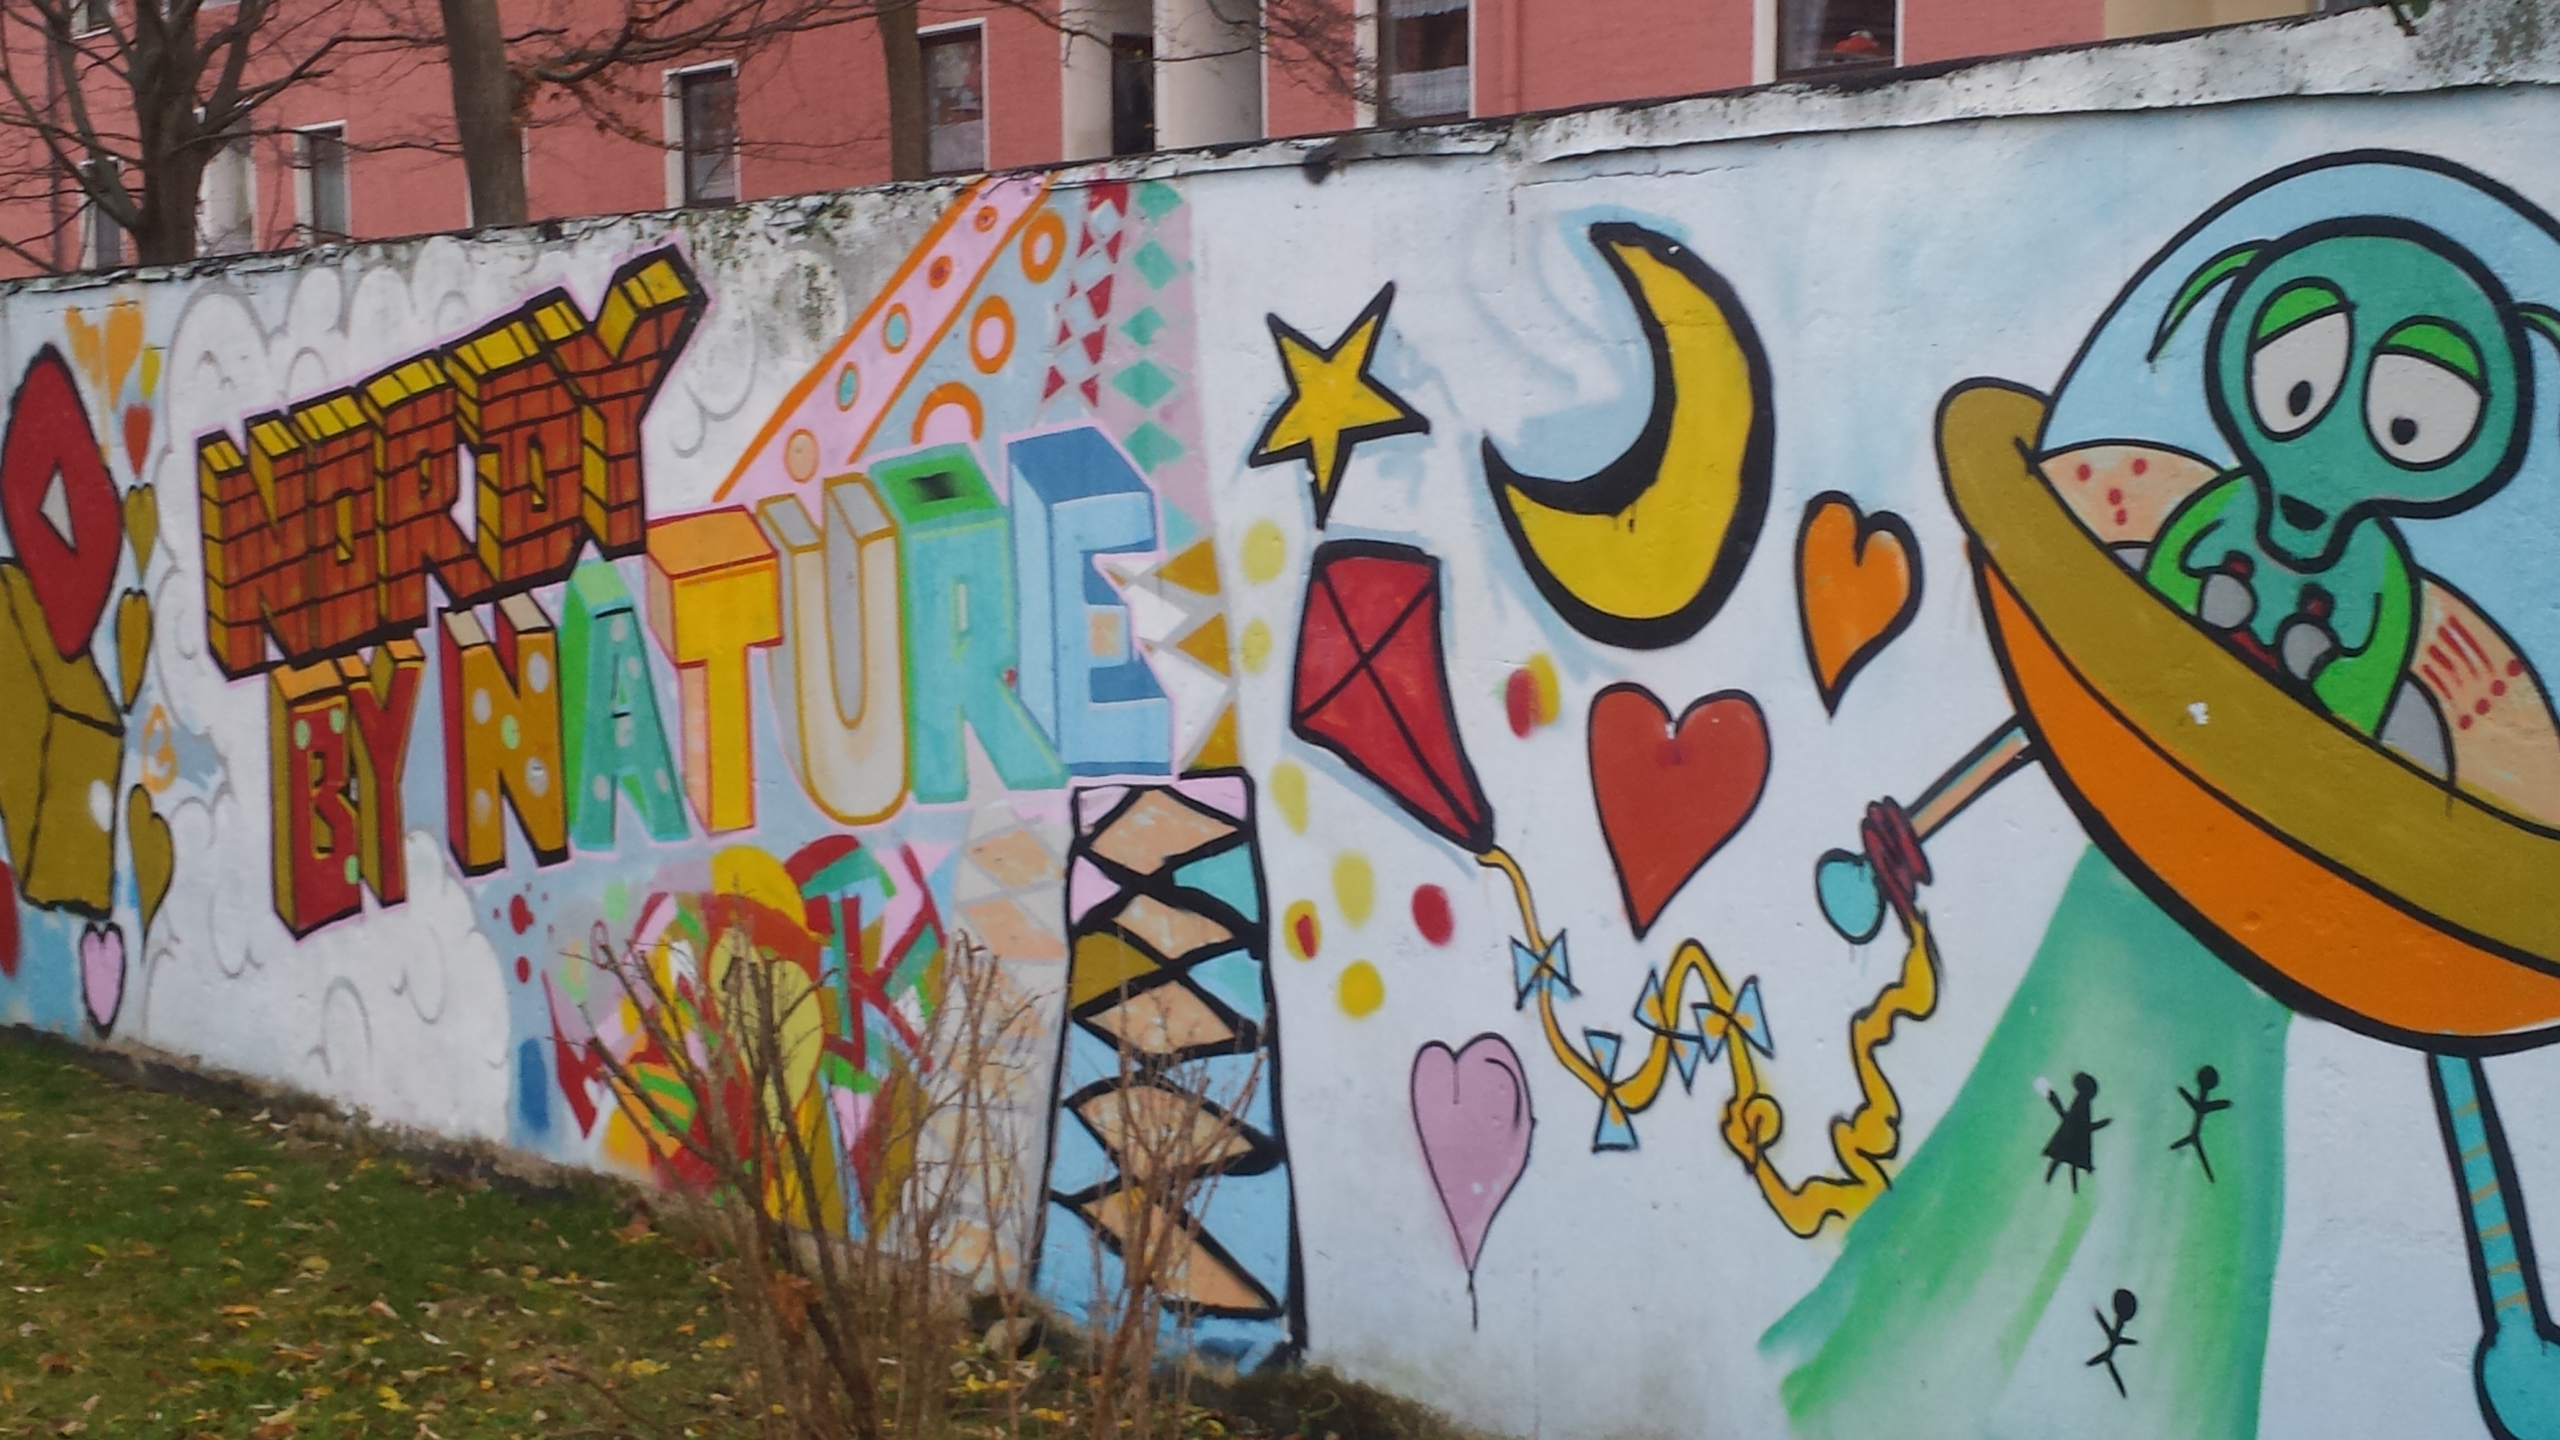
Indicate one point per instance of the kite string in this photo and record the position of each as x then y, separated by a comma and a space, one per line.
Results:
1861, 1141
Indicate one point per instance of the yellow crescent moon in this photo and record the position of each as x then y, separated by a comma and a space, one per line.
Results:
1642, 552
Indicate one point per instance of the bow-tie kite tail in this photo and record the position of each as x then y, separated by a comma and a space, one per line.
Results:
1730, 1021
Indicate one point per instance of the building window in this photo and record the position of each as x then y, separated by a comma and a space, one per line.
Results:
320, 182
101, 238
88, 17
1820, 37
955, 99
707, 134
1424, 55
1133, 94
227, 204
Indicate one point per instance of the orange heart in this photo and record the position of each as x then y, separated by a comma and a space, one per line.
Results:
1857, 586
88, 346
124, 343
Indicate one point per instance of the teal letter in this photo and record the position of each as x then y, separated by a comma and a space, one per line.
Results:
609, 715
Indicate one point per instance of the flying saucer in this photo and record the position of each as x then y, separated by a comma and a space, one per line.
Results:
2413, 906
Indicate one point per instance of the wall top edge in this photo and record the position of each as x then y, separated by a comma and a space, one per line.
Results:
2461, 44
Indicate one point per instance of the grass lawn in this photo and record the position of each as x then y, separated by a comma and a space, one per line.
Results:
170, 1267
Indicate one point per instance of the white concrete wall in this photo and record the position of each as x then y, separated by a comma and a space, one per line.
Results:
1243, 429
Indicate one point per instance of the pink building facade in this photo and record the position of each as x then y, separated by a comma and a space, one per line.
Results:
367, 153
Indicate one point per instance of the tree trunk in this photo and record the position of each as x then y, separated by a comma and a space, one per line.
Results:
170, 192
484, 111
902, 60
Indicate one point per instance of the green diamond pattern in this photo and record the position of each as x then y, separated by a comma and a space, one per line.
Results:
1144, 326
1151, 447
1144, 382
1156, 265
1158, 199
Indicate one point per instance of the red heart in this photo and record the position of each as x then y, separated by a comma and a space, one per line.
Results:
1671, 795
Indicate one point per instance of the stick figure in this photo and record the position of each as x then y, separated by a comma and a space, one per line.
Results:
2202, 1105
2072, 1142
2116, 1338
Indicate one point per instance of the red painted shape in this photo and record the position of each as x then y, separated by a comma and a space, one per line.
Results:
8, 922
520, 916
1671, 795
1520, 702
1431, 914
524, 967
137, 434
1307, 936
1372, 686
49, 435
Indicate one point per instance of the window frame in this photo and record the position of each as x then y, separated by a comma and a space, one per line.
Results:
679, 137
1778, 15
92, 17
927, 38
1385, 23
306, 189
94, 220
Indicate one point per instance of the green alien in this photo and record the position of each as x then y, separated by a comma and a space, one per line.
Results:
2363, 370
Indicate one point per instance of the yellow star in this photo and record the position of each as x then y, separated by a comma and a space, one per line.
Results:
1334, 402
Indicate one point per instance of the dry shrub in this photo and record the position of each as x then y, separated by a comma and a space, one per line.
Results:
847, 1274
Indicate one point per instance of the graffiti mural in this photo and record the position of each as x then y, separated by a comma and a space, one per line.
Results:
2059, 943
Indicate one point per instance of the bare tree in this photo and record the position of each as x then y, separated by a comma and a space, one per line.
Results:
607, 70
96, 96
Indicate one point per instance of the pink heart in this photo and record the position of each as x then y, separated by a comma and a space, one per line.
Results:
102, 974
1471, 1108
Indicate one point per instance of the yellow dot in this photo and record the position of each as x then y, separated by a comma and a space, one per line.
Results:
1289, 792
1361, 991
1355, 886
1256, 647
1301, 931
1265, 552
1542, 673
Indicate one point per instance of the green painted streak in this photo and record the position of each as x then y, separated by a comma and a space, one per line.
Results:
2295, 305
1961, 1304
2429, 340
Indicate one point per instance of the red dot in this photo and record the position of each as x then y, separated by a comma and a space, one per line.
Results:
2480, 708
2462, 722
2115, 497
2140, 465
1520, 702
2515, 667
2084, 472
2119, 517
2497, 687
519, 914
524, 970
1306, 935
1431, 914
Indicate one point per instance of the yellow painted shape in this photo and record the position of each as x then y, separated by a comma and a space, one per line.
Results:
1219, 750
1195, 569
1361, 991
1289, 793
1255, 648
1542, 674
1355, 887
715, 592
1208, 644
1103, 963
1653, 557
753, 874
1302, 930
1332, 400
124, 343
1266, 552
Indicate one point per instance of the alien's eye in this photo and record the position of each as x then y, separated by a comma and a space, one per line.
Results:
2298, 357
2423, 394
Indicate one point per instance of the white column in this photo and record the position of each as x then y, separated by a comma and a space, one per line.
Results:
1208, 72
